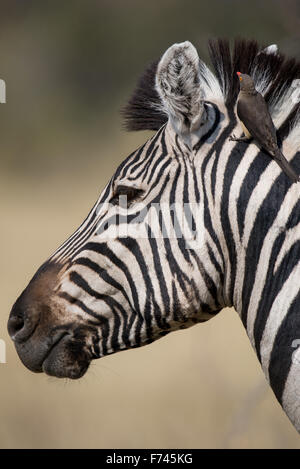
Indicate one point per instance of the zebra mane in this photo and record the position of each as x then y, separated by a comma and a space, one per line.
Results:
274, 75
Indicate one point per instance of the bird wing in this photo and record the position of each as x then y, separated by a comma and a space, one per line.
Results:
253, 111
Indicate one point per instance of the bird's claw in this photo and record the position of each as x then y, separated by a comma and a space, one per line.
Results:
232, 138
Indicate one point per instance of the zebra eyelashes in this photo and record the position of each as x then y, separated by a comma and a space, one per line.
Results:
124, 195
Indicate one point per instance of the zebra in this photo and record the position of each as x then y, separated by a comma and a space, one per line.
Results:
228, 234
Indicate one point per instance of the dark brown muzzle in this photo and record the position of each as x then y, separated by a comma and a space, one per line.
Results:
44, 339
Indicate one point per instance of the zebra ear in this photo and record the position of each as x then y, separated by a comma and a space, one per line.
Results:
178, 85
272, 49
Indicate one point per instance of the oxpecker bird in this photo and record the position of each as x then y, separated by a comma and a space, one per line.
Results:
256, 122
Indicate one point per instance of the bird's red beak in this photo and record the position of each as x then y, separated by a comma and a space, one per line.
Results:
239, 75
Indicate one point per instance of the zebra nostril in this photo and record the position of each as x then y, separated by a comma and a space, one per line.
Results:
15, 326
21, 326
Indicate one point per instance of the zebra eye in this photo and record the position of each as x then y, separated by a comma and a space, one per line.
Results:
125, 195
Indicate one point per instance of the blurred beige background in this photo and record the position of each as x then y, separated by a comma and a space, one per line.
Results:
69, 67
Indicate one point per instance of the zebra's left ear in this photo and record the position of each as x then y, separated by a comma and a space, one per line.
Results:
178, 85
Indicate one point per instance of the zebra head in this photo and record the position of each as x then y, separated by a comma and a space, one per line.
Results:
189, 223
